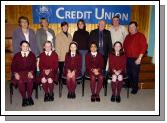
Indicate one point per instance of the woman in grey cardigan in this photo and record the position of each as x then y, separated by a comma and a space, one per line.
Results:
44, 34
23, 32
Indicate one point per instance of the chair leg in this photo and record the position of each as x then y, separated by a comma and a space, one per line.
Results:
127, 87
83, 85
127, 92
40, 87
105, 90
105, 87
36, 91
11, 92
59, 88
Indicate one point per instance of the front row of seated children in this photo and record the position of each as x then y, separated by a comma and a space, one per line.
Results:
24, 66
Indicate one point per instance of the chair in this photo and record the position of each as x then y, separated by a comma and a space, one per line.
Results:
88, 78
63, 78
126, 83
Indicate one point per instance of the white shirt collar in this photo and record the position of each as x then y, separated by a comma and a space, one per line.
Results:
50, 52
94, 53
26, 53
73, 54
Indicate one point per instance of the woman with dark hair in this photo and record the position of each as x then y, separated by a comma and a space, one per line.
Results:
94, 69
23, 32
63, 40
23, 67
81, 36
117, 65
72, 68
48, 65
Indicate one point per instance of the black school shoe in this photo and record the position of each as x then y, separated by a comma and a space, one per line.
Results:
73, 95
113, 98
97, 98
51, 96
24, 102
134, 91
118, 99
93, 98
69, 95
46, 97
30, 101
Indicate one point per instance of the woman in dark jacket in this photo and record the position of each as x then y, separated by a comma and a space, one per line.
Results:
81, 36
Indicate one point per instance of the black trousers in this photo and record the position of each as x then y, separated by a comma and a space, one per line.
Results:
133, 71
61, 66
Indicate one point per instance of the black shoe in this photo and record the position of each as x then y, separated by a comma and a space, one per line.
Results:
51, 97
24, 102
78, 82
73, 95
30, 101
93, 98
134, 91
97, 98
46, 98
118, 99
112, 98
69, 95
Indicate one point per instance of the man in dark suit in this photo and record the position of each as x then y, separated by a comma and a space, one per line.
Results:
102, 38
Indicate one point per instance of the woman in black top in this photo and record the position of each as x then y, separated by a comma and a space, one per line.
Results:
81, 36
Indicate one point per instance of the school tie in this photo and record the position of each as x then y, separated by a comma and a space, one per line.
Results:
24, 54
47, 54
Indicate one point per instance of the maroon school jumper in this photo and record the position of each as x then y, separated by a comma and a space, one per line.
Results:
23, 65
98, 63
48, 62
72, 63
117, 63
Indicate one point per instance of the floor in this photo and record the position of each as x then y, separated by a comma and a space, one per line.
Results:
144, 100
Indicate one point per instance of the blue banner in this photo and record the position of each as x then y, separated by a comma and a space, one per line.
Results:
90, 13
